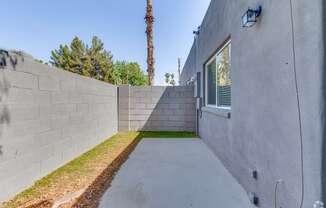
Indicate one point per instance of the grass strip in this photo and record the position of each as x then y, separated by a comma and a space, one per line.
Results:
94, 170
167, 134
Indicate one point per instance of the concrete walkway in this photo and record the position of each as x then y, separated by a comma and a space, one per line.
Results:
174, 173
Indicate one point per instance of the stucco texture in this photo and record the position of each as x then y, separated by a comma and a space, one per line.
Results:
277, 97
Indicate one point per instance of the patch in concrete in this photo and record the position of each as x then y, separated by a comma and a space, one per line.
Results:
68, 198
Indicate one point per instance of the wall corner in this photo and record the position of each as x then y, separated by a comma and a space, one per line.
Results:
123, 108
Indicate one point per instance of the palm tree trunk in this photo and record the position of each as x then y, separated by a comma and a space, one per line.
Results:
150, 46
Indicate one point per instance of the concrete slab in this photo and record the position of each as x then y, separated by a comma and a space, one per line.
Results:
174, 173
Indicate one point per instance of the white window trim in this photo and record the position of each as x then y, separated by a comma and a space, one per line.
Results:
206, 64
224, 107
206, 82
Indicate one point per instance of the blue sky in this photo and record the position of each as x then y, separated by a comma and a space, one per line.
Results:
39, 26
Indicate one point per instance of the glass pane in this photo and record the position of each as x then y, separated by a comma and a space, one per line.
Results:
224, 77
211, 83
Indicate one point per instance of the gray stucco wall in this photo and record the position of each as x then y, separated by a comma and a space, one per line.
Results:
263, 132
190, 64
158, 109
48, 117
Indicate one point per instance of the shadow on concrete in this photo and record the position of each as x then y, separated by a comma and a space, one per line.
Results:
171, 110
11, 57
6, 59
4, 113
4, 119
159, 115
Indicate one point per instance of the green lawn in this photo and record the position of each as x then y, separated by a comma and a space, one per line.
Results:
82, 171
152, 134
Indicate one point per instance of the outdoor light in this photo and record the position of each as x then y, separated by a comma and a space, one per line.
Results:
318, 204
196, 32
251, 16
254, 199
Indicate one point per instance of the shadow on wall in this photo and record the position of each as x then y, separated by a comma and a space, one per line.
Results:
323, 173
6, 57
162, 109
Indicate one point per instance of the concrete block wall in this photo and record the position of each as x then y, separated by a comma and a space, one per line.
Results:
158, 109
48, 117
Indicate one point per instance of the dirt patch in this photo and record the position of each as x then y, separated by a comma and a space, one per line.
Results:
93, 194
43, 204
92, 172
92, 169
68, 198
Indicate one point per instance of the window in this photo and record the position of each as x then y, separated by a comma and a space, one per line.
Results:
218, 79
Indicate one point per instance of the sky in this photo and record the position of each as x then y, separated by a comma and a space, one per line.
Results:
39, 26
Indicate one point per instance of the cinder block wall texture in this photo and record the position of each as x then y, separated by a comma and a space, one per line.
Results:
48, 117
157, 109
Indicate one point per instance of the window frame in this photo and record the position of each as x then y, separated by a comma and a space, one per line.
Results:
206, 83
210, 60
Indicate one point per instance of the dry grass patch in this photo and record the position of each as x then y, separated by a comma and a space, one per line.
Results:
93, 172
76, 175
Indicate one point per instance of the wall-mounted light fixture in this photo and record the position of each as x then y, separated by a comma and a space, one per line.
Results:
318, 204
254, 199
251, 16
196, 32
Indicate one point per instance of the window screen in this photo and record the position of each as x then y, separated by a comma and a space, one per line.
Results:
218, 79
211, 83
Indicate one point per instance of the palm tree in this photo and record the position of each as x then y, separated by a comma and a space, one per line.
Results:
150, 46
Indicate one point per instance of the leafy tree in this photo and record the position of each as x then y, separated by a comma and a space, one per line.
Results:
172, 82
224, 72
93, 61
169, 79
96, 62
129, 73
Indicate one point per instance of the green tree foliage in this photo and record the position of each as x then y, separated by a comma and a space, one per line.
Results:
93, 61
169, 79
129, 73
40, 61
224, 72
96, 62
